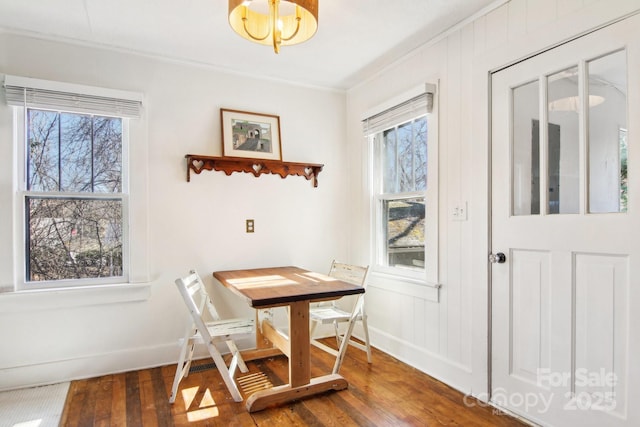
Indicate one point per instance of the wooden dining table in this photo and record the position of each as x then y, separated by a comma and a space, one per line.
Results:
295, 288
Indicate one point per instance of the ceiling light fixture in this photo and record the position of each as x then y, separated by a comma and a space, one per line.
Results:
274, 22
572, 103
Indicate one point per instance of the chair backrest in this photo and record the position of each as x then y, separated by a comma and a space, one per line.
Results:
349, 273
355, 274
198, 302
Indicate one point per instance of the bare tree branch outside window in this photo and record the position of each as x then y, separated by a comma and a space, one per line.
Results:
74, 202
404, 173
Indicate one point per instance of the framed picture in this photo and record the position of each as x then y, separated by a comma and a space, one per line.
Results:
251, 135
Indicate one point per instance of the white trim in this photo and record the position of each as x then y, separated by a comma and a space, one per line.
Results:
432, 196
406, 286
440, 367
429, 275
171, 60
20, 193
81, 296
92, 365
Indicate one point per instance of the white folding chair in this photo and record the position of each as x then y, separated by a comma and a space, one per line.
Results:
331, 313
206, 327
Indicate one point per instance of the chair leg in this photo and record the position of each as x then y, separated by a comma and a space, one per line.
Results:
366, 337
224, 372
182, 369
339, 338
312, 328
236, 358
344, 344
189, 358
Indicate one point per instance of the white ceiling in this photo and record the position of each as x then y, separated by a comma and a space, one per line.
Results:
354, 38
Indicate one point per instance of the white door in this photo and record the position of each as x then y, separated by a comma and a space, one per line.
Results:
565, 298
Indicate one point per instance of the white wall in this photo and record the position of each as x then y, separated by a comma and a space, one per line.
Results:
449, 338
51, 336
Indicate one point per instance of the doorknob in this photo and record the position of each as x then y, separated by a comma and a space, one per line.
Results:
498, 258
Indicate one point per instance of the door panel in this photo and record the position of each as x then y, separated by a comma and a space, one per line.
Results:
565, 211
601, 320
530, 290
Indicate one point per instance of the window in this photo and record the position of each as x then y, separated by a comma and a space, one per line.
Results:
73, 185
403, 172
403, 211
74, 198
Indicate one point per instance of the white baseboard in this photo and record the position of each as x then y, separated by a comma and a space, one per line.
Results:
95, 365
449, 372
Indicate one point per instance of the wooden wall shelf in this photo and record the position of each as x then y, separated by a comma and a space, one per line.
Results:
257, 167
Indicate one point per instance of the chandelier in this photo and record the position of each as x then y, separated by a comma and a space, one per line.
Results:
274, 22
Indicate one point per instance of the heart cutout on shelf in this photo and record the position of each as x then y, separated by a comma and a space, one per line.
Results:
257, 168
308, 171
197, 164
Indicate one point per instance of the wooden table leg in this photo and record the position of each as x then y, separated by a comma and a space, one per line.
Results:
286, 393
264, 347
300, 382
299, 344
261, 341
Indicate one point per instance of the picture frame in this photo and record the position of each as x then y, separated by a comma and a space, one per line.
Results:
250, 135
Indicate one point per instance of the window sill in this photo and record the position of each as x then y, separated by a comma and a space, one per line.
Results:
406, 286
55, 299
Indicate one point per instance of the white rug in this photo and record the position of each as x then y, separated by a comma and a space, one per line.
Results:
33, 407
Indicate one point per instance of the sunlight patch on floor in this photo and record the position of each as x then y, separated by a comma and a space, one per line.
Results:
206, 409
254, 382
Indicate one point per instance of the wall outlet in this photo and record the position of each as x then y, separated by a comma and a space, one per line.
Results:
249, 225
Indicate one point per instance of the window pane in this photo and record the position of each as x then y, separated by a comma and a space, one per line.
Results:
420, 152
402, 174
623, 170
405, 157
75, 153
404, 232
107, 152
563, 143
43, 130
526, 149
73, 238
389, 162
607, 115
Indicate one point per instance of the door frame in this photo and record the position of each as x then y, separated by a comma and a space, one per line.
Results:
586, 21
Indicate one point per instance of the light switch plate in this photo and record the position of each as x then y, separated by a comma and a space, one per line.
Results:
460, 212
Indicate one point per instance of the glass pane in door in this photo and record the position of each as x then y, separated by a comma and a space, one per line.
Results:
563, 160
607, 90
526, 149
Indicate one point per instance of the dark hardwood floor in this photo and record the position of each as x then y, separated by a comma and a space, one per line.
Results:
385, 393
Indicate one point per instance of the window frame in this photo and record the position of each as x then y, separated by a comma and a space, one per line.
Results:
429, 275
380, 199
21, 193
